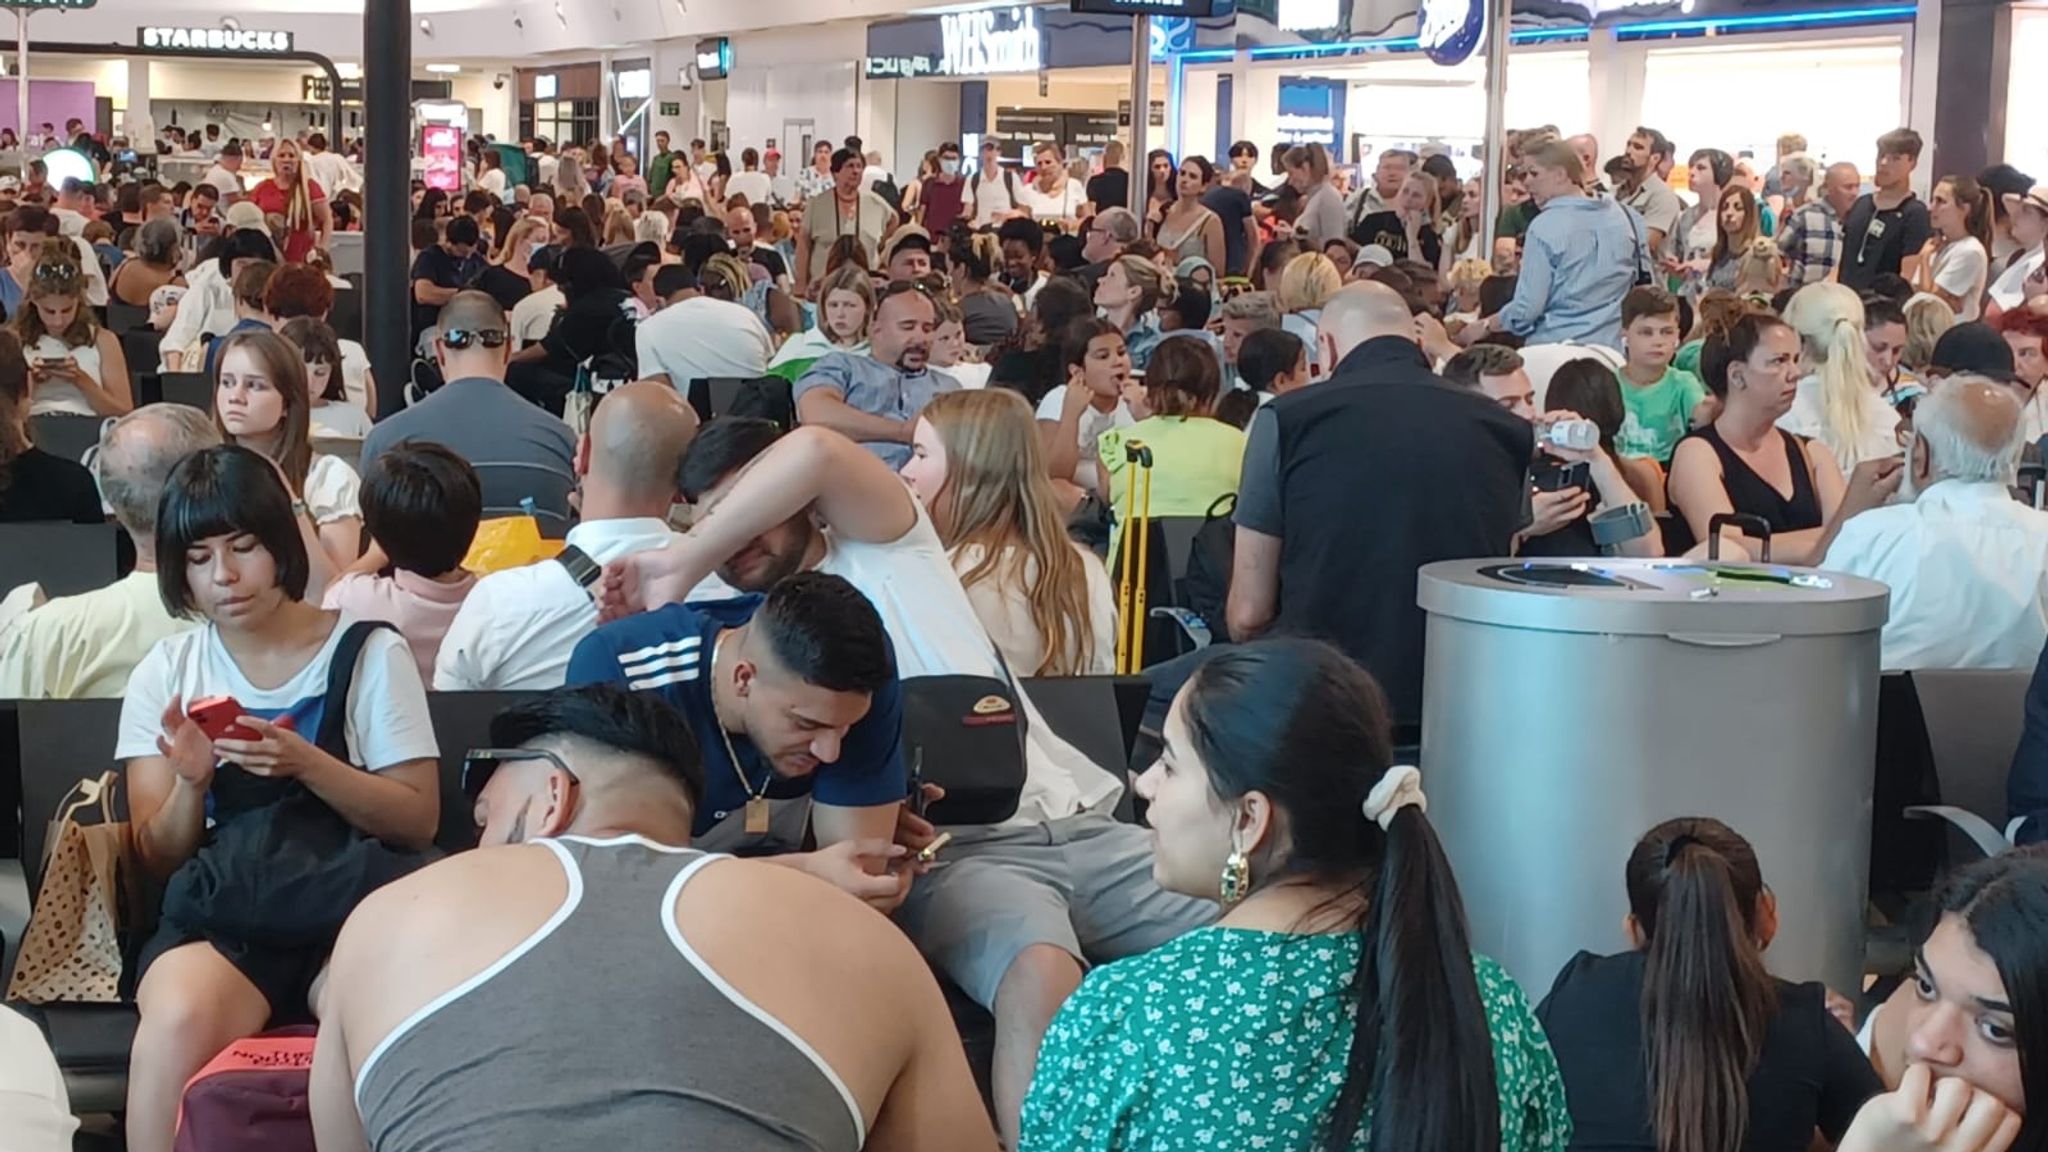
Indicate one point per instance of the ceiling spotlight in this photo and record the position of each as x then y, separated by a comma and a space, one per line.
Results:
231, 24
426, 26
519, 21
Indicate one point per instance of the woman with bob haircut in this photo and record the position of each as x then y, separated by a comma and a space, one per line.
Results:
299, 782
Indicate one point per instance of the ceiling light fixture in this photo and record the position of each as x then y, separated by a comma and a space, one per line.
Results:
427, 26
231, 24
444, 69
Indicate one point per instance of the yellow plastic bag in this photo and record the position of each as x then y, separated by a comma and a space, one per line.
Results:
508, 542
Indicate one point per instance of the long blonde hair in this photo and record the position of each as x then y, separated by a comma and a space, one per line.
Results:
998, 497
298, 204
1829, 320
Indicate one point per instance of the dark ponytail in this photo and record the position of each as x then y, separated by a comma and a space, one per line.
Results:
1298, 721
1976, 202
1693, 887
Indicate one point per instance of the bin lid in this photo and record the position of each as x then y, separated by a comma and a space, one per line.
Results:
1653, 597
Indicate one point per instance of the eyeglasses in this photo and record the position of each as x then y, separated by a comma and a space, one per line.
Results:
459, 339
479, 764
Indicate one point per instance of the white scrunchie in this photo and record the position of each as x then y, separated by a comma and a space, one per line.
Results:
1400, 787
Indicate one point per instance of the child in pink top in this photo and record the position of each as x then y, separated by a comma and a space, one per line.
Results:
421, 503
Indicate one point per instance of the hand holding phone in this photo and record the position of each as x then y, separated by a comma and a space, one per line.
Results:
220, 718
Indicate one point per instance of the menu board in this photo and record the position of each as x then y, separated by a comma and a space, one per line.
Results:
441, 148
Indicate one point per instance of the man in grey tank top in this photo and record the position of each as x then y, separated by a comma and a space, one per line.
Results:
591, 982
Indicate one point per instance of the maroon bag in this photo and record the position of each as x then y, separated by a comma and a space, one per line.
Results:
251, 1097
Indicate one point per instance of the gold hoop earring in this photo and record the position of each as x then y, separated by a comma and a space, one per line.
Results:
1237, 878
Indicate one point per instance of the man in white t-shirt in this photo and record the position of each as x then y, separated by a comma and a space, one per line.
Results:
2029, 215
517, 628
1021, 906
225, 173
699, 338
750, 181
73, 197
330, 170
35, 1110
995, 189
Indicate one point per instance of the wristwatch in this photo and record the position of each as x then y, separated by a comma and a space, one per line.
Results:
298, 508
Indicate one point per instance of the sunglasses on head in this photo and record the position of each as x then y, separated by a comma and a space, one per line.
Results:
460, 339
479, 764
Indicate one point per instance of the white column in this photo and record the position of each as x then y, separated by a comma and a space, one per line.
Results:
1614, 78
138, 112
1240, 92
1923, 68
607, 101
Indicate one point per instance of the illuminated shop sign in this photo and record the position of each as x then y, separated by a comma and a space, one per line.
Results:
250, 42
990, 41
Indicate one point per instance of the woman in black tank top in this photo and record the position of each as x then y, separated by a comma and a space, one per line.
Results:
1733, 464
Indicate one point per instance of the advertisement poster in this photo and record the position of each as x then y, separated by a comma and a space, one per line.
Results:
441, 148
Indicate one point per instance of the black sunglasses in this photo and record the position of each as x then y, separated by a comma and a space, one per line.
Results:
459, 339
480, 764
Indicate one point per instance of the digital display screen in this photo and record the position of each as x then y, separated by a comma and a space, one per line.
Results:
1189, 8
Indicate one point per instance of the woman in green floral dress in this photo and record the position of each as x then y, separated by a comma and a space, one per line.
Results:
1337, 1005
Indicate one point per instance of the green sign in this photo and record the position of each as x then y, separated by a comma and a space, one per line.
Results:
671, 108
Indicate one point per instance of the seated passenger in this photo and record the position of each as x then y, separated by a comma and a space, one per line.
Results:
1195, 457
517, 628
1338, 994
1743, 462
518, 450
260, 402
1963, 1044
35, 485
1966, 563
720, 989
797, 691
1687, 1043
74, 364
1073, 416
83, 646
206, 809
1018, 907
35, 1108
335, 414
977, 466
420, 503
874, 398
251, 315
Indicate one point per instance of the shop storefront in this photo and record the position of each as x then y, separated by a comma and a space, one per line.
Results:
1351, 74
1021, 76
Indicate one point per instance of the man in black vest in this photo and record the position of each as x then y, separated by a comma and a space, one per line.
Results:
1351, 485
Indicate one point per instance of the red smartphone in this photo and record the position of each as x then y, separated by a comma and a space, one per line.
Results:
217, 716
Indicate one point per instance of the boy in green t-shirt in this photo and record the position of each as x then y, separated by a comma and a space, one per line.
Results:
1660, 399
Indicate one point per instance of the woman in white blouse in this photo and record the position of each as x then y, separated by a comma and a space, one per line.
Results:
1956, 260
260, 402
1052, 195
977, 465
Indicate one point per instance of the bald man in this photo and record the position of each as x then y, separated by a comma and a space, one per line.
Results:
1967, 564
518, 628
1587, 148
1811, 237
1446, 473
519, 451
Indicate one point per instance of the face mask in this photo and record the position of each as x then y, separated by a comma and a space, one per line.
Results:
949, 167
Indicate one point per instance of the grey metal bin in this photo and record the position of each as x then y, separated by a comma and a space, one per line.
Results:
1569, 706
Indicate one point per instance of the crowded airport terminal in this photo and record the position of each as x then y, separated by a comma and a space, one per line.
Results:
1091, 576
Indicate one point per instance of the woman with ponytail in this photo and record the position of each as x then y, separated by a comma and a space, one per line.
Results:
1837, 403
1339, 983
1686, 1043
1956, 261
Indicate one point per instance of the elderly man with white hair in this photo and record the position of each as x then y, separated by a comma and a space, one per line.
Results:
1967, 564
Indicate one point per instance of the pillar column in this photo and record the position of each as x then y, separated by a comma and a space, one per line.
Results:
387, 199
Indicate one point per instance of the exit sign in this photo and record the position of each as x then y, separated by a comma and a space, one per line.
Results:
671, 108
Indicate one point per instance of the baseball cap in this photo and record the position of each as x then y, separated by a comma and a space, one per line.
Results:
1376, 254
9, 184
1975, 347
244, 214
910, 237
2035, 197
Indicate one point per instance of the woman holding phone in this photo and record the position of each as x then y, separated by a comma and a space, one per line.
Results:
74, 365
361, 767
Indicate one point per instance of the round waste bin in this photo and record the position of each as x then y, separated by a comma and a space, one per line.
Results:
1570, 706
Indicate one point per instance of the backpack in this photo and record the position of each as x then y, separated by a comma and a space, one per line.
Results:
252, 1097
1205, 590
